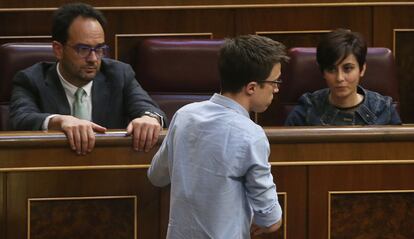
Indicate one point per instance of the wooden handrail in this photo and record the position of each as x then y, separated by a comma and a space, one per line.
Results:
275, 135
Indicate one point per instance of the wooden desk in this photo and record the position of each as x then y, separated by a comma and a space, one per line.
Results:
332, 183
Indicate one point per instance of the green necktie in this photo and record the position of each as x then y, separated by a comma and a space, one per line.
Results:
80, 110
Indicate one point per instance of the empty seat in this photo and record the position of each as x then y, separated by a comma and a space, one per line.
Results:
176, 72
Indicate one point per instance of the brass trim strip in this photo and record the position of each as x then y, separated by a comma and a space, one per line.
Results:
26, 37
81, 198
224, 6
285, 212
356, 192
356, 162
164, 34
84, 198
292, 32
156, 35
70, 168
394, 39
371, 191
146, 166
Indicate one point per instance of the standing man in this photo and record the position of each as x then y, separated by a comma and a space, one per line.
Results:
216, 157
83, 93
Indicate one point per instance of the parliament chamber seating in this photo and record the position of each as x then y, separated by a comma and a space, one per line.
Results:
327, 178
15, 57
176, 72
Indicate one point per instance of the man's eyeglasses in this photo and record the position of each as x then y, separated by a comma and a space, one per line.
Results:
273, 82
85, 51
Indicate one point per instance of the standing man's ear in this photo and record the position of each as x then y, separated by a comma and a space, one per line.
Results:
250, 88
57, 49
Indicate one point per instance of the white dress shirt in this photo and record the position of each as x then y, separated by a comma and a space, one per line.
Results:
70, 91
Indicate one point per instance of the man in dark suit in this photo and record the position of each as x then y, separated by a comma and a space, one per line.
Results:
82, 93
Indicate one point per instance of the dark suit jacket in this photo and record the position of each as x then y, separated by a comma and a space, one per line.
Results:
117, 98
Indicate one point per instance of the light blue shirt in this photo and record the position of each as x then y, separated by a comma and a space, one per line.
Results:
216, 159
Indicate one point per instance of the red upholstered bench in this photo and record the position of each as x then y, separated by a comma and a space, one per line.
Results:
15, 57
176, 72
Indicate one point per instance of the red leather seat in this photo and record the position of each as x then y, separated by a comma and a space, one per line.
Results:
15, 57
176, 72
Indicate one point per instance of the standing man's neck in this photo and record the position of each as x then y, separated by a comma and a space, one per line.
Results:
240, 98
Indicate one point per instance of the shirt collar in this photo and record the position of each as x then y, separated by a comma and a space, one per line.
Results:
229, 103
72, 88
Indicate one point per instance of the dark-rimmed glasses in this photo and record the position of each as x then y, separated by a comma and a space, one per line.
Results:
85, 51
273, 82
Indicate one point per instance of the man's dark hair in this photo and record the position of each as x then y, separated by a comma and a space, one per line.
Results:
335, 46
248, 58
64, 16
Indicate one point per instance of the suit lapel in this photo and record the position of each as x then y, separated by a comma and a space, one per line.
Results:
100, 99
57, 93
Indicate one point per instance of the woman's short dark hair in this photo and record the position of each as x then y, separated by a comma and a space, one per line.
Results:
335, 46
248, 58
64, 16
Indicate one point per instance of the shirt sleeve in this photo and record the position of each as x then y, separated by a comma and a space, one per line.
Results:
260, 188
45, 125
159, 171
